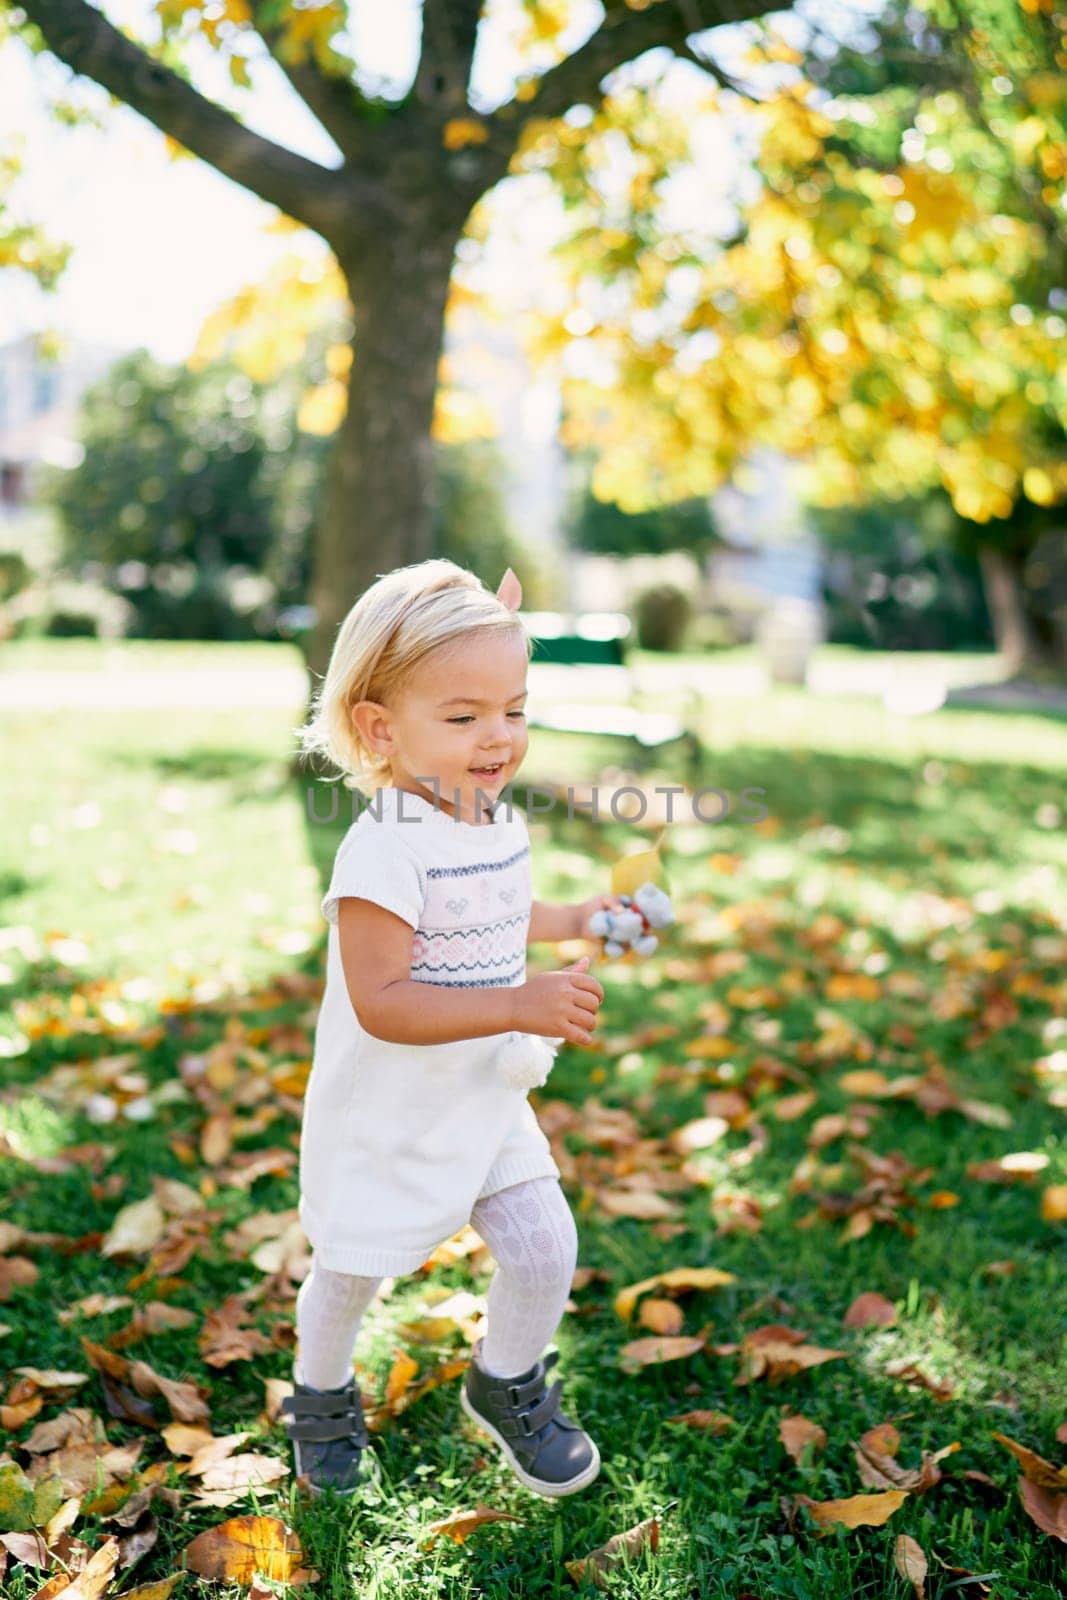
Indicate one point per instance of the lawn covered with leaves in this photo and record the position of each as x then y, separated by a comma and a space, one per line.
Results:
816, 1156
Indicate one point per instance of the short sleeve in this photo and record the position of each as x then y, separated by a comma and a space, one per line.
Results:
377, 866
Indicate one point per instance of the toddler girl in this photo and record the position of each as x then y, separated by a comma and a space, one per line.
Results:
429, 1035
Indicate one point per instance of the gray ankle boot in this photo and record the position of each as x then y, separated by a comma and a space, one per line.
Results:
331, 1445
548, 1453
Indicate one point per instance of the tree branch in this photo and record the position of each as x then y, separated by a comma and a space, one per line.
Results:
713, 69
449, 35
87, 42
624, 35
333, 101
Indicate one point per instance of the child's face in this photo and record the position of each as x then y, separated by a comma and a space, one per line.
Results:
462, 710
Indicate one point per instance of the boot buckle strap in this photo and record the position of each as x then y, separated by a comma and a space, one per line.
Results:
525, 1424
537, 1416
328, 1404
517, 1394
320, 1430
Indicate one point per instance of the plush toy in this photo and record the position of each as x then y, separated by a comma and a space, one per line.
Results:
525, 1059
647, 908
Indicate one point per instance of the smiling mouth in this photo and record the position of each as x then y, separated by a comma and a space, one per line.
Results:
489, 772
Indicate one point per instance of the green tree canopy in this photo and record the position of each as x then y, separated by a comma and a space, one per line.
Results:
891, 310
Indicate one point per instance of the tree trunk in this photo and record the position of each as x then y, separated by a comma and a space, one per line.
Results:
377, 501
1015, 637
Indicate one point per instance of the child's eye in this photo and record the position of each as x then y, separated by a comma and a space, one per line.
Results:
467, 718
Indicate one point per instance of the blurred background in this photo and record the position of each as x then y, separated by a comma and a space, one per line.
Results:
742, 344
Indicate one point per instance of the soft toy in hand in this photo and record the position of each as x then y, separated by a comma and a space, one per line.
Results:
647, 908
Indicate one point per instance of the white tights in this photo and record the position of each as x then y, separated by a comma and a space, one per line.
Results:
532, 1235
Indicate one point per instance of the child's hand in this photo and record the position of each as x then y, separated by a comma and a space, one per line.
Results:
599, 902
559, 1005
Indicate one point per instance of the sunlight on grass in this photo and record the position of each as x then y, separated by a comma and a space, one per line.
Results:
900, 913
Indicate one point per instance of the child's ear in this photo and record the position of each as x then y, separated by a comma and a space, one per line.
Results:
510, 591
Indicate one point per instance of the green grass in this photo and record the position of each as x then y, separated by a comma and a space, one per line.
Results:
937, 842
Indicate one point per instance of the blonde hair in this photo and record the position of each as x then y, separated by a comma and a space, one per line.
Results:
393, 625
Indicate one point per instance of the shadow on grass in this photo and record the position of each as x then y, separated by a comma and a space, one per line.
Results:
998, 1338
729, 1531
14, 884
207, 764
882, 816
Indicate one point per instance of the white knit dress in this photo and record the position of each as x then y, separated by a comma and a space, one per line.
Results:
398, 1141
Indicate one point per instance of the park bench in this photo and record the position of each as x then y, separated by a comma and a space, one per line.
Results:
598, 639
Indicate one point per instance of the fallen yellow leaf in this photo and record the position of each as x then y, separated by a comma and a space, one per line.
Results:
857, 1511
910, 1562
674, 1278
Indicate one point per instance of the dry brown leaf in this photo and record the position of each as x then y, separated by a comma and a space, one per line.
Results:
871, 1310
236, 1550
865, 1082
708, 1047
792, 1106
662, 1316
230, 1479
177, 1199
1035, 1467
401, 1373
16, 1272
95, 1577
645, 1205
775, 1352
1021, 1166
712, 1422
824, 1130
881, 1440
75, 1426
136, 1229
29, 1547
400, 1394
910, 1562
857, 1511
211, 1450
76, 1464
798, 1434
878, 1468
94, 1305
129, 1384
727, 1103
908, 1372
620, 1548
248, 1165
697, 1135
680, 1278
13, 1417
998, 1269
1048, 1510
973, 1580
659, 1348
49, 1381
155, 1317
459, 1524
224, 1340
183, 1440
